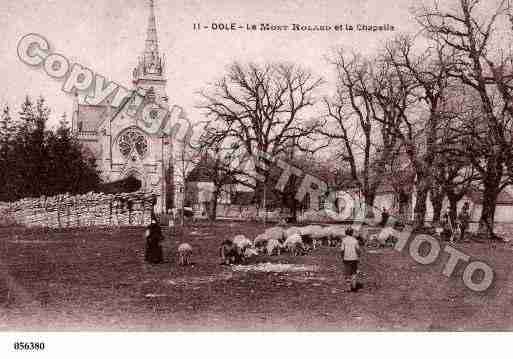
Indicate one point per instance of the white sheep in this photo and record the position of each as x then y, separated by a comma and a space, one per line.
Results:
275, 233
363, 234
311, 235
294, 244
338, 231
305, 231
385, 234
184, 254
325, 232
315, 231
291, 231
274, 246
337, 234
260, 242
242, 242
250, 252
325, 235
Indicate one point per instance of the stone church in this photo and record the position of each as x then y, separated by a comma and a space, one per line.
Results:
118, 142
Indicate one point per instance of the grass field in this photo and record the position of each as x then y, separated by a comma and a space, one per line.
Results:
97, 280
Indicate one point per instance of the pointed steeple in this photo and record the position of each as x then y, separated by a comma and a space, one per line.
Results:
150, 63
149, 72
151, 50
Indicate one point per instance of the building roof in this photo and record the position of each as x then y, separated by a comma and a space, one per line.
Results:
389, 183
203, 173
243, 198
90, 116
385, 187
200, 173
505, 198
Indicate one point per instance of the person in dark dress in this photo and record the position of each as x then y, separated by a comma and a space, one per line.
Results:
384, 217
153, 235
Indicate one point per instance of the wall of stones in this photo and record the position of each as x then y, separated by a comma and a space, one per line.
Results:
91, 209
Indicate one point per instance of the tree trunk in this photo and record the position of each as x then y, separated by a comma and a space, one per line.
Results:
293, 211
369, 205
491, 191
265, 202
437, 199
453, 208
370, 217
424, 170
420, 205
182, 220
259, 198
289, 194
486, 222
213, 214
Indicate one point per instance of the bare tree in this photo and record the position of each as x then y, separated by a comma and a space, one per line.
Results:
454, 174
262, 109
469, 30
186, 158
359, 122
219, 162
426, 73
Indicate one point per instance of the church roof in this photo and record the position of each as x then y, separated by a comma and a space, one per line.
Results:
90, 116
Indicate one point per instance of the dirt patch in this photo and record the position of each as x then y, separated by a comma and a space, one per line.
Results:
275, 267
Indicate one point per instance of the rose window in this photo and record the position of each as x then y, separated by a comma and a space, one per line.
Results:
154, 114
130, 140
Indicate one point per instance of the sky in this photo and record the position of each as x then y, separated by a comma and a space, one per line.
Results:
108, 36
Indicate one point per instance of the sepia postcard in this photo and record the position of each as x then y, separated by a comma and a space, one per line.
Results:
260, 167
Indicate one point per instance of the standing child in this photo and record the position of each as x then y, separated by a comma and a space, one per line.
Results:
350, 253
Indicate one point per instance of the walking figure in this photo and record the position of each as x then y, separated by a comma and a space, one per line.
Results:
153, 236
350, 253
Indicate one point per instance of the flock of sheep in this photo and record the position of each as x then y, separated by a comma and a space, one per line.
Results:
278, 240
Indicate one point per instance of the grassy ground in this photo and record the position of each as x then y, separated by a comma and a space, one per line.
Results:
97, 280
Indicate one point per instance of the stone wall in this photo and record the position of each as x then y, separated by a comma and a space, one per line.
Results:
91, 209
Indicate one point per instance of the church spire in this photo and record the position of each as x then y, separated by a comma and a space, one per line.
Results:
151, 50
151, 64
